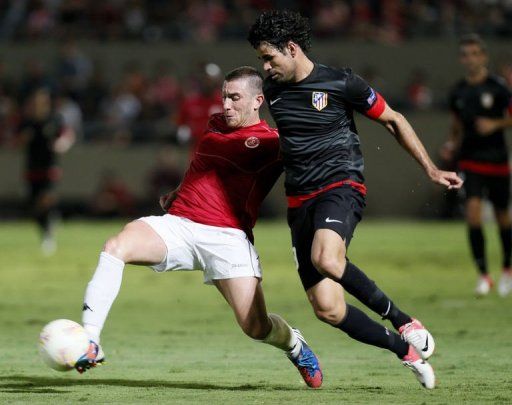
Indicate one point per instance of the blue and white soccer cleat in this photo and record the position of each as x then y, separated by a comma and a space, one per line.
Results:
306, 362
92, 358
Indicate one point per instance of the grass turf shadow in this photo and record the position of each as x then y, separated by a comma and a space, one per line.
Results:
45, 385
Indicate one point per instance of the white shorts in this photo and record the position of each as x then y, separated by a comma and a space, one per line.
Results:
221, 253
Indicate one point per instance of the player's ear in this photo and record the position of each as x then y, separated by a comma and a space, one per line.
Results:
258, 101
292, 48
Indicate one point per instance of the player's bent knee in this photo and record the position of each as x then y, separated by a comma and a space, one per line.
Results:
113, 246
331, 315
329, 266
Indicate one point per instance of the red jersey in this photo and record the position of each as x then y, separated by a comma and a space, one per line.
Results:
231, 172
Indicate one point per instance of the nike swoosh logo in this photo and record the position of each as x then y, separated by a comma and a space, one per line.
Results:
272, 102
426, 345
332, 220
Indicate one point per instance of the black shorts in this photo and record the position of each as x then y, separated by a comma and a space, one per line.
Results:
339, 209
38, 188
495, 188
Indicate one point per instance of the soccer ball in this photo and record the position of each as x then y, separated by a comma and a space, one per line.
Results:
62, 343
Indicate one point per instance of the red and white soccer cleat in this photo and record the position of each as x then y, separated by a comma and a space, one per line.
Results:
422, 370
505, 284
484, 285
418, 337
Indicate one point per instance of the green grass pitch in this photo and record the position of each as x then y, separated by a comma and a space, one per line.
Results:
171, 339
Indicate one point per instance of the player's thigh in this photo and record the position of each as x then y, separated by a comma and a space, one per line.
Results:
499, 195
245, 296
42, 194
328, 301
137, 243
339, 210
300, 221
225, 253
328, 253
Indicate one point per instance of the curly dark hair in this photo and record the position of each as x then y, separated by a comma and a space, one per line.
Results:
277, 27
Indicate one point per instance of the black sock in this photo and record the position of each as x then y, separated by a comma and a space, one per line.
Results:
360, 327
506, 244
476, 239
356, 283
43, 219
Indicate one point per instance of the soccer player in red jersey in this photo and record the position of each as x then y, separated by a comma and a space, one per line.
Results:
208, 226
313, 106
481, 106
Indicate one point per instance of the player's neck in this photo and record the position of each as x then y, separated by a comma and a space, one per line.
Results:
304, 68
478, 76
252, 121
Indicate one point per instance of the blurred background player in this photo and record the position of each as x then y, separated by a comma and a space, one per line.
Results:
44, 135
313, 107
209, 226
201, 100
481, 106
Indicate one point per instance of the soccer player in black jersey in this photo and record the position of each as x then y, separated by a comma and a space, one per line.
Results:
481, 106
313, 107
44, 135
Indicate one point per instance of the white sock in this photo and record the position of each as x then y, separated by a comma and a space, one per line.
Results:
281, 335
100, 294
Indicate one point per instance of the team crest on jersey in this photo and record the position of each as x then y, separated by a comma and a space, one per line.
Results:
319, 100
252, 142
487, 100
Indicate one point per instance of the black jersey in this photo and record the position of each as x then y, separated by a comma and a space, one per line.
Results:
490, 99
42, 135
318, 136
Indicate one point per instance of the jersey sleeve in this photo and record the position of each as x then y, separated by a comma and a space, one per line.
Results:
363, 98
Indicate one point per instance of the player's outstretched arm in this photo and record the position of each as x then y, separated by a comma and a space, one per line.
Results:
488, 126
400, 128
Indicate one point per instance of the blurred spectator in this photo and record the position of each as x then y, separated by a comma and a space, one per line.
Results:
94, 95
164, 92
9, 111
505, 71
203, 99
112, 198
121, 110
74, 69
35, 76
419, 94
70, 112
166, 175
387, 21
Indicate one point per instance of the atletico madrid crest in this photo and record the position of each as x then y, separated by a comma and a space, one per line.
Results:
319, 100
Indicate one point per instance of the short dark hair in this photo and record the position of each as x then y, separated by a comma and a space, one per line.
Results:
246, 72
277, 27
473, 39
